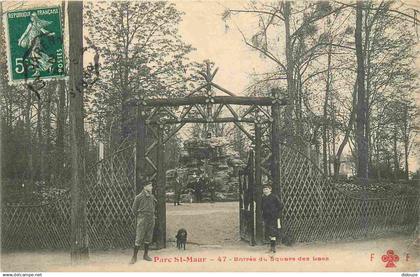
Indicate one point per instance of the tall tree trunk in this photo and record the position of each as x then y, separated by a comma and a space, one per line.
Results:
378, 161
40, 146
325, 115
125, 126
406, 160
330, 170
367, 56
79, 236
395, 153
47, 128
3, 67
28, 115
362, 155
61, 122
333, 143
298, 109
388, 165
406, 137
337, 160
290, 130
368, 141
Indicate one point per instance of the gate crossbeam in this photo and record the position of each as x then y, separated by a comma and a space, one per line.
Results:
233, 100
202, 120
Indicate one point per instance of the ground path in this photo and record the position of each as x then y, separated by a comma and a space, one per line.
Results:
213, 229
206, 223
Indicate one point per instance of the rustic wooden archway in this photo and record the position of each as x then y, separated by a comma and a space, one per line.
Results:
162, 118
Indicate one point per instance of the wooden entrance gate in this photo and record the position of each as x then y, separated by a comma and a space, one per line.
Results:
159, 119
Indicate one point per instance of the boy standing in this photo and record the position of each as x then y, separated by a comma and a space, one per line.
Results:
271, 209
144, 210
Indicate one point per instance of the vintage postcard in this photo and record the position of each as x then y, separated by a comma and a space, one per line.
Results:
202, 136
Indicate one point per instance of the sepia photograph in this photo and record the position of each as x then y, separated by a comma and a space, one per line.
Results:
210, 136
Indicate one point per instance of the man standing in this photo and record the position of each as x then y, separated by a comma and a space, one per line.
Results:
198, 189
271, 209
144, 210
212, 189
177, 190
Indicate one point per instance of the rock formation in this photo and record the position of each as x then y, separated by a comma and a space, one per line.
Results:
207, 171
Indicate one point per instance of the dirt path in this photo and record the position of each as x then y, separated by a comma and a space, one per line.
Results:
214, 230
206, 223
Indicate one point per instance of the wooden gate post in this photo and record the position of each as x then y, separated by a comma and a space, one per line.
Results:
275, 144
160, 191
251, 194
79, 224
241, 200
140, 150
275, 154
259, 232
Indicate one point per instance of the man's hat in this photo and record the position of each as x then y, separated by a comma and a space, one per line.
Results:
148, 183
268, 185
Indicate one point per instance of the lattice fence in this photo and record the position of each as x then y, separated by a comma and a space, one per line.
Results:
110, 222
36, 227
316, 210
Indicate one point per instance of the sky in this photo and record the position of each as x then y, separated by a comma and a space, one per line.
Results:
204, 29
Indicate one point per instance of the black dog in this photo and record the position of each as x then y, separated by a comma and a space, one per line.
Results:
181, 238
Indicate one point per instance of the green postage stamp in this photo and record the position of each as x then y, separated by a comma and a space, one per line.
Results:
35, 44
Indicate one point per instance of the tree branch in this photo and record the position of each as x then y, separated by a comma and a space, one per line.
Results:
391, 10
257, 11
265, 52
316, 18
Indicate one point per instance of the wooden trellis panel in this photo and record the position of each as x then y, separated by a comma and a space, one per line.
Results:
111, 193
110, 221
316, 210
36, 227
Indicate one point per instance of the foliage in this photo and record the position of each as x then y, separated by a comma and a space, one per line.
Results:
142, 55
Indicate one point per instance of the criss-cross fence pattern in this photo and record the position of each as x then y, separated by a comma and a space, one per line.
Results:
111, 193
314, 209
36, 226
110, 185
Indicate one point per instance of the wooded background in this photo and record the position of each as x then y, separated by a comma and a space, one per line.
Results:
347, 70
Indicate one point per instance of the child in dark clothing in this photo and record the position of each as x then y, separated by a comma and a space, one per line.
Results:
271, 209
